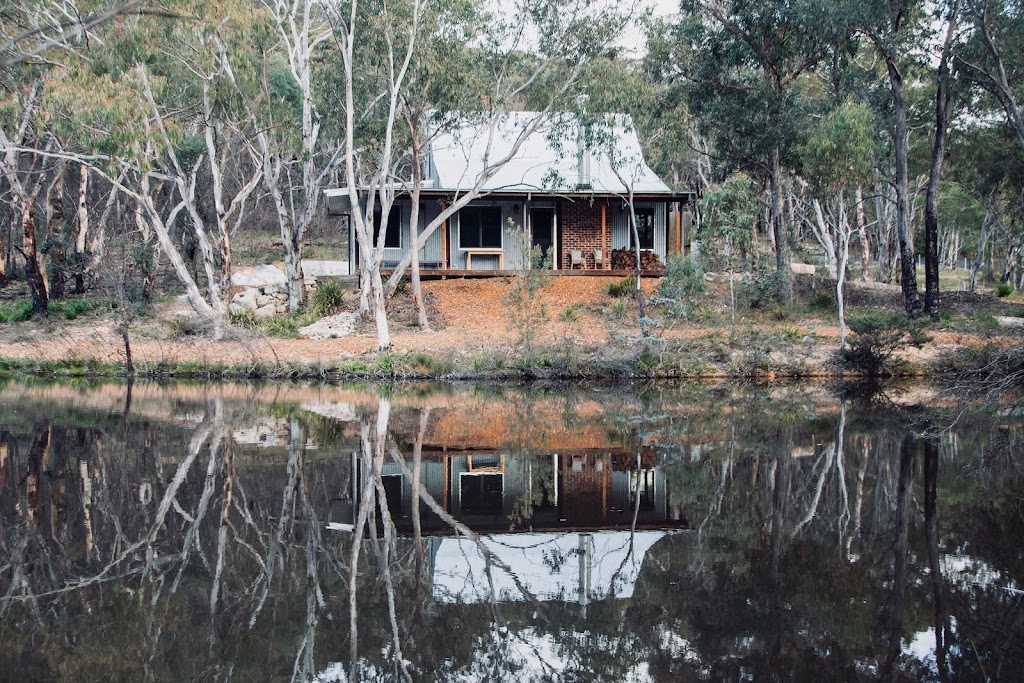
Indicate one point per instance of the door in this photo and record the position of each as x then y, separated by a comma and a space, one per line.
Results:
542, 226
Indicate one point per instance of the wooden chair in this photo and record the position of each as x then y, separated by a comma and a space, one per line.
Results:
598, 259
576, 259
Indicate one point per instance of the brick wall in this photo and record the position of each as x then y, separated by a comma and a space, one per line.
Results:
580, 228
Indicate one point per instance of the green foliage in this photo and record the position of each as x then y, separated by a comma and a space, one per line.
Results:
283, 87
624, 287
385, 364
570, 313
878, 335
327, 298
761, 289
426, 364
683, 280
287, 326
683, 277
245, 319
16, 311
70, 308
729, 212
1004, 289
526, 312
823, 300
838, 153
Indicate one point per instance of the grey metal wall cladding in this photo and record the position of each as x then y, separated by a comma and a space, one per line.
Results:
620, 225
512, 242
430, 255
432, 478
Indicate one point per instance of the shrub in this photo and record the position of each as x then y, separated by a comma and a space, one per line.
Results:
1004, 289
684, 279
823, 300
570, 313
761, 289
286, 326
186, 325
624, 287
16, 312
327, 299
69, 309
523, 301
878, 335
246, 319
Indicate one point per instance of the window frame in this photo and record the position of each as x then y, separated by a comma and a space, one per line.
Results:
645, 213
478, 227
394, 227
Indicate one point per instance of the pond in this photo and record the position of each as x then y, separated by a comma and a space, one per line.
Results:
425, 532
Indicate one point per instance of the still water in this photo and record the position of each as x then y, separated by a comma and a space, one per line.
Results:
428, 532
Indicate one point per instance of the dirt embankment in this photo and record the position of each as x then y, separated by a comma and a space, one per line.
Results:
472, 327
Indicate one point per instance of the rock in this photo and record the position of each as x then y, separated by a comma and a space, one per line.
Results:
802, 268
266, 311
314, 269
245, 300
259, 276
1007, 321
263, 299
808, 340
339, 325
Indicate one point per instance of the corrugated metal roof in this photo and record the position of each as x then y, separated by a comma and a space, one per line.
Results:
552, 159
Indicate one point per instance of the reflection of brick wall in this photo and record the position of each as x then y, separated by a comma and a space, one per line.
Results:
581, 229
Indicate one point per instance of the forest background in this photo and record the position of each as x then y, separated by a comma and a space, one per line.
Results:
143, 144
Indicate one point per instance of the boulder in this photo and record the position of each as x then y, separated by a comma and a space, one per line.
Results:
259, 276
339, 325
802, 268
266, 311
1007, 321
245, 300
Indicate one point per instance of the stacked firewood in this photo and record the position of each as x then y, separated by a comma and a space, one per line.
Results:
625, 259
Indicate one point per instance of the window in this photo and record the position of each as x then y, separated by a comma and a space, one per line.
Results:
393, 236
644, 228
480, 226
481, 494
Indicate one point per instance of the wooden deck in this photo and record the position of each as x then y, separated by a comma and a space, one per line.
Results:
437, 274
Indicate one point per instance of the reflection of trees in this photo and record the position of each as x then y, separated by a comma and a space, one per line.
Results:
164, 550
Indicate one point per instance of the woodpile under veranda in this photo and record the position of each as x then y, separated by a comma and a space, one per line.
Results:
625, 259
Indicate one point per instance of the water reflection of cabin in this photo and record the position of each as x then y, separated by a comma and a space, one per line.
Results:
489, 490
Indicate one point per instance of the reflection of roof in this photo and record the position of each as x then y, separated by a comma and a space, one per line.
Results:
548, 566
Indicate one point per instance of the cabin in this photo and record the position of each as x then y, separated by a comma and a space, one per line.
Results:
566, 196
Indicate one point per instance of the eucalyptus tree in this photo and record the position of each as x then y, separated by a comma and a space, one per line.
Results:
33, 27
943, 100
24, 169
294, 171
837, 160
160, 111
199, 129
729, 211
894, 27
744, 62
993, 55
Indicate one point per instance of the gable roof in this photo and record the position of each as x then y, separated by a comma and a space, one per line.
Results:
552, 159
